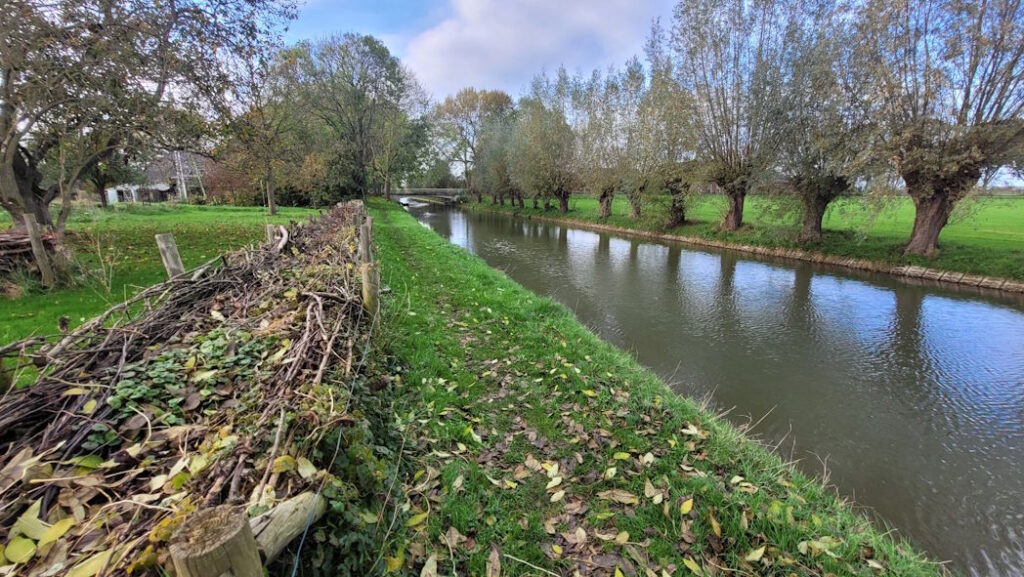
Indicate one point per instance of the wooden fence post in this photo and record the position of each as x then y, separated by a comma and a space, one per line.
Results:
216, 542
39, 251
169, 254
271, 233
368, 268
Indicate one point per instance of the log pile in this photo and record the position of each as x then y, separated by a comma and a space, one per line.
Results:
16, 250
213, 388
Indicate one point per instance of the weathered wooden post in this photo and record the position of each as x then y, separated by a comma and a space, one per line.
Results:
169, 254
216, 542
370, 275
39, 251
271, 233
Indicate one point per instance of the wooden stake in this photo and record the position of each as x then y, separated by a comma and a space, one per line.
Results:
271, 234
371, 286
216, 542
366, 242
169, 254
39, 251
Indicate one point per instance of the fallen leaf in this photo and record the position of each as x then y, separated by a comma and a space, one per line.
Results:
305, 467
686, 507
557, 496
692, 565
554, 482
56, 531
417, 519
395, 563
756, 554
430, 567
619, 496
92, 565
493, 568
20, 550
715, 527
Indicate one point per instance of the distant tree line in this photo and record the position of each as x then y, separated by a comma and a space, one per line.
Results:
809, 99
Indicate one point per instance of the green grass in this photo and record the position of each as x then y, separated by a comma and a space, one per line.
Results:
985, 235
497, 379
125, 237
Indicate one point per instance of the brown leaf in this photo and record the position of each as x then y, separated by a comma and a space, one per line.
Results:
494, 563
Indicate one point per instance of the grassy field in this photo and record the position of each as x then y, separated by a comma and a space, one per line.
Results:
985, 235
534, 446
122, 238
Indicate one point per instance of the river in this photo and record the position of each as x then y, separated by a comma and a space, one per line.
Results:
909, 395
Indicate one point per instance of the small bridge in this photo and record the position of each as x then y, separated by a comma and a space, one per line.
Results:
441, 196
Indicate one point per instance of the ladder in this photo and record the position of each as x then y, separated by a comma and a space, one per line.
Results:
185, 170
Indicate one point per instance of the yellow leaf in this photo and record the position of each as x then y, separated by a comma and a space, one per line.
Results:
416, 520
649, 490
618, 573
589, 392
715, 527
92, 565
305, 467
554, 482
190, 363
557, 549
56, 531
557, 496
20, 550
89, 406
622, 538
692, 565
756, 554
284, 463
609, 472
73, 391
620, 456
395, 563
686, 507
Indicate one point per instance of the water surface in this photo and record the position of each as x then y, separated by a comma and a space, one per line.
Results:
912, 394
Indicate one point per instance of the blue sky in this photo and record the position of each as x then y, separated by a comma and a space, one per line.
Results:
489, 43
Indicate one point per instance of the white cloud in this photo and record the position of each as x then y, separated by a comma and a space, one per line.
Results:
502, 44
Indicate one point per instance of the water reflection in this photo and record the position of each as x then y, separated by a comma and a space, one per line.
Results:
915, 394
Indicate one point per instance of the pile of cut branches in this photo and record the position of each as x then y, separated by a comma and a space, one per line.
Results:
218, 387
16, 250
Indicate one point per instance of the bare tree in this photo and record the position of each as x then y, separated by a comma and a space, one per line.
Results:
730, 56
945, 86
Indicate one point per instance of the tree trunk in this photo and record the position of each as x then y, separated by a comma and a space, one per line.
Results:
563, 203
814, 212
605, 202
271, 204
734, 216
677, 210
932, 214
634, 206
547, 203
387, 187
535, 203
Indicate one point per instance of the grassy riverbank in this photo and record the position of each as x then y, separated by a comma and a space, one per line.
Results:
985, 236
534, 445
121, 240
